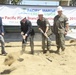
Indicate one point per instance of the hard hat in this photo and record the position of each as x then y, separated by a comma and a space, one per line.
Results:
40, 12
59, 8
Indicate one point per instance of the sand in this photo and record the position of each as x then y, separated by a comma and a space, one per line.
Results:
39, 63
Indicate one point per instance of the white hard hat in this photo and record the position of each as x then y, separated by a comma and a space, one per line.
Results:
59, 8
40, 12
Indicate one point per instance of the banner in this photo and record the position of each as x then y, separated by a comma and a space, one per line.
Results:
11, 15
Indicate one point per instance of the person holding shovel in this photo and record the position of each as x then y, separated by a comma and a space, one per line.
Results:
27, 30
45, 28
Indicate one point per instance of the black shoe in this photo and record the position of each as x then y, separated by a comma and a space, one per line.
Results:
44, 51
63, 49
32, 53
4, 54
57, 51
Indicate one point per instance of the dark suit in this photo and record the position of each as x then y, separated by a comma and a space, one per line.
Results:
26, 28
1, 37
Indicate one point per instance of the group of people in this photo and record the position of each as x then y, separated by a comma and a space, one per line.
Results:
60, 29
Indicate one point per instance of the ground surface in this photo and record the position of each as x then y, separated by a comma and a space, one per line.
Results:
39, 63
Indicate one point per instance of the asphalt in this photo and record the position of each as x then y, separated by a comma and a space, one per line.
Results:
16, 37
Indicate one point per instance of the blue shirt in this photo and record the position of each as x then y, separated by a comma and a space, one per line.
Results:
1, 26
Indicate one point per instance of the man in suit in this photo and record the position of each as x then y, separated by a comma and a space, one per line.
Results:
1, 38
27, 30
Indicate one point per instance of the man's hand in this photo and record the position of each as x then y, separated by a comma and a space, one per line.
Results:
46, 34
23, 36
22, 33
65, 33
3, 34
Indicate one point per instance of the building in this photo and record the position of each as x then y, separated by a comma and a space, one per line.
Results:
46, 2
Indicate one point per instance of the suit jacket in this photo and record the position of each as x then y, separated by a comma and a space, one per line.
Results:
1, 26
26, 27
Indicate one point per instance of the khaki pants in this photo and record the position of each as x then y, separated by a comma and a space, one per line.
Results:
60, 41
2, 44
31, 44
47, 44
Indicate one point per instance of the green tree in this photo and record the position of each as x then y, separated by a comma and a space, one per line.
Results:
15, 2
2, 1
73, 3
